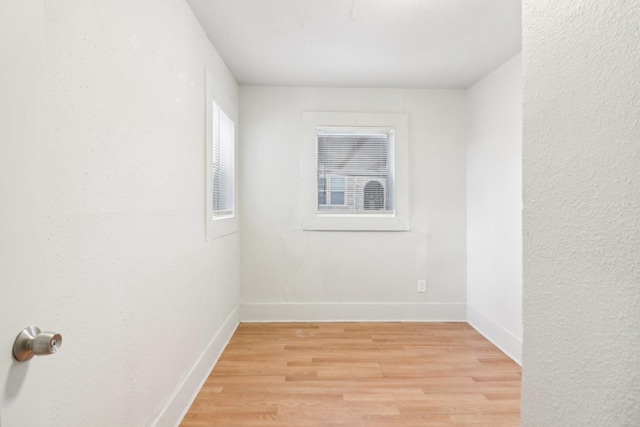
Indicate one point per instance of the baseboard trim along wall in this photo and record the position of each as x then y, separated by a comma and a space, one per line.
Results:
186, 392
352, 312
506, 341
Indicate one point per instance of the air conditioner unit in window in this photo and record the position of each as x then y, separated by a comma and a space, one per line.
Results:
373, 195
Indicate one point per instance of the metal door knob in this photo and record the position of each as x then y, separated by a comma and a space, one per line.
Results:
32, 341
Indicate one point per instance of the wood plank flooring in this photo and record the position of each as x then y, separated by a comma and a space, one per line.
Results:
359, 374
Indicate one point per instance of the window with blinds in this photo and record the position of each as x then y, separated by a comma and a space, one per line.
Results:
355, 171
222, 170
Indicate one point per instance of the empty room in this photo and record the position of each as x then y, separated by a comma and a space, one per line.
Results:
319, 213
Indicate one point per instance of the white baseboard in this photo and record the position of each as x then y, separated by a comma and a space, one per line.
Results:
185, 394
352, 312
506, 341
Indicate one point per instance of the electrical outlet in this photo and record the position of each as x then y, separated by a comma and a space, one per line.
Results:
422, 285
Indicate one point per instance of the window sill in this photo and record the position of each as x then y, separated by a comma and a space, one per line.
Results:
220, 227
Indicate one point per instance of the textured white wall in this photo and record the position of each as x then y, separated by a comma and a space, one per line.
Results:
288, 273
130, 282
494, 207
581, 219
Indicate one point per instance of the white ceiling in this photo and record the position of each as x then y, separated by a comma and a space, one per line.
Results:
362, 43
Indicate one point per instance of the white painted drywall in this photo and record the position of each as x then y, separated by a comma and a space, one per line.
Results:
291, 274
581, 219
128, 277
494, 207
362, 43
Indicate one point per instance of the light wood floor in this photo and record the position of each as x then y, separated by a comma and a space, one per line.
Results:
359, 374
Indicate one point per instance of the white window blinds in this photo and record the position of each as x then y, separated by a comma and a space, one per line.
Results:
355, 171
223, 170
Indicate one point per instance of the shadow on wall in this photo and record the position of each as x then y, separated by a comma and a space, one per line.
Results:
15, 380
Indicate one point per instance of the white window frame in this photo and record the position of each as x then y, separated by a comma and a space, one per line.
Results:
223, 225
311, 219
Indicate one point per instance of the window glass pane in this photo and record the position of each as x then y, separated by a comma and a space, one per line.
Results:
223, 164
355, 171
337, 184
337, 191
337, 197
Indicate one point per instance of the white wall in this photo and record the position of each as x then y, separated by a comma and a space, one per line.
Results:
290, 274
581, 219
118, 164
494, 207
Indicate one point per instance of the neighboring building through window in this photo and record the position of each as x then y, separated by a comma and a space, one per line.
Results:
374, 199
331, 192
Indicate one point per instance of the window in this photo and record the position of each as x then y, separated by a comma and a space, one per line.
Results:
331, 192
220, 162
350, 161
337, 188
355, 171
